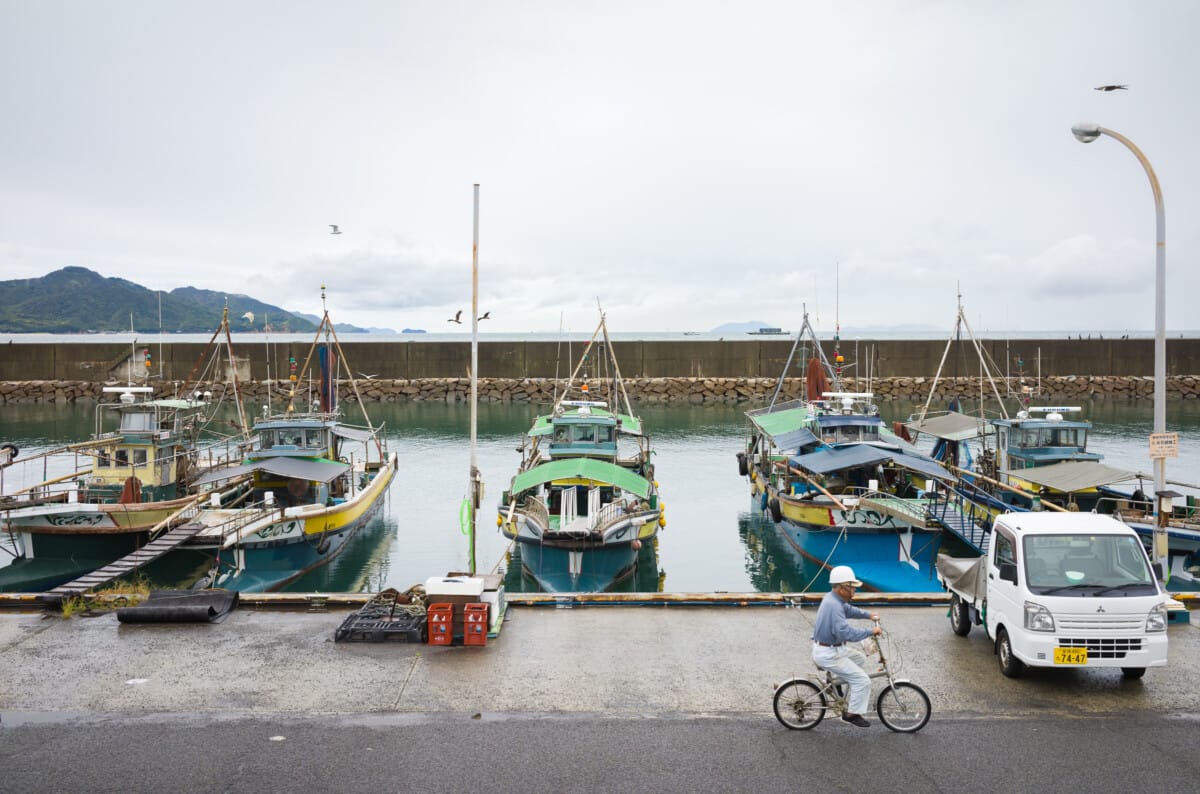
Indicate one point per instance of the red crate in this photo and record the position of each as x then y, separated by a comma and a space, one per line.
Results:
475, 624
440, 622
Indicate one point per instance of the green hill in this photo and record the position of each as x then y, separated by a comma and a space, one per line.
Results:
78, 300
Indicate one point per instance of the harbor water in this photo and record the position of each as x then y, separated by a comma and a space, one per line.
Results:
713, 540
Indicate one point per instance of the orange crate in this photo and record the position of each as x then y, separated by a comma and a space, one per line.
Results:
440, 624
475, 624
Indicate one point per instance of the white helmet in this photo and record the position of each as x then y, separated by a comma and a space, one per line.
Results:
843, 574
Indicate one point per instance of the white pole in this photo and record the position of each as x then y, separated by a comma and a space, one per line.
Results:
1087, 133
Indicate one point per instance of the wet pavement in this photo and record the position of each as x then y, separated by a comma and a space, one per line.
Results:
596, 660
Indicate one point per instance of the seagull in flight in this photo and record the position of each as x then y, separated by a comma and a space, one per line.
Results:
335, 229
486, 316
1112, 88
457, 318
368, 377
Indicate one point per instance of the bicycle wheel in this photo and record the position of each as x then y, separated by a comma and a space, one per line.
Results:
799, 704
903, 707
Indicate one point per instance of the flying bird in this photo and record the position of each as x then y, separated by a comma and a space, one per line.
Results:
368, 377
1112, 88
486, 316
249, 317
335, 229
457, 318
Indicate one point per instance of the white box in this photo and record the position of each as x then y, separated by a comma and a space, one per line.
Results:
470, 586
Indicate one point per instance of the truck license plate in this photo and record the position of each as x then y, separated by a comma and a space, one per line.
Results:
1070, 655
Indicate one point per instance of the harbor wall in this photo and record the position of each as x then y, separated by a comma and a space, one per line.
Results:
697, 371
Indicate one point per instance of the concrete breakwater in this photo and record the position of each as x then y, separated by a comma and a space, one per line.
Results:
668, 390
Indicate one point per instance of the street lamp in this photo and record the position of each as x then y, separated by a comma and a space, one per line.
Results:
1086, 133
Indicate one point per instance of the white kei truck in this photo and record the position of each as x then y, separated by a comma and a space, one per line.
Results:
1061, 590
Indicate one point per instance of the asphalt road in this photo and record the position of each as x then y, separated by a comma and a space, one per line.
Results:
588, 752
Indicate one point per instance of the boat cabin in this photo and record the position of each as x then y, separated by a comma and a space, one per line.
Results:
139, 460
587, 431
1028, 441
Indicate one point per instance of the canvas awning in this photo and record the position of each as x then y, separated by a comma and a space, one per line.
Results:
787, 429
352, 433
585, 469
951, 426
296, 468
1073, 475
858, 455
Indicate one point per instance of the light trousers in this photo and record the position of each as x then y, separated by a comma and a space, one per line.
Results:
848, 664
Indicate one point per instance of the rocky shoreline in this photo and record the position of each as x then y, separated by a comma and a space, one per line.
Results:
668, 390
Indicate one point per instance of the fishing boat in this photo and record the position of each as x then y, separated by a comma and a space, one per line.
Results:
584, 500
768, 331
102, 499
316, 480
1038, 459
841, 488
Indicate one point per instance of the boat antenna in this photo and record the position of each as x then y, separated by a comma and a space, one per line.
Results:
474, 481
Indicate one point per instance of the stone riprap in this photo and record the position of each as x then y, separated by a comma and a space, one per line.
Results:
667, 390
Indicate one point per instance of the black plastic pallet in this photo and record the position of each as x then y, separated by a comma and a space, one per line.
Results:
373, 626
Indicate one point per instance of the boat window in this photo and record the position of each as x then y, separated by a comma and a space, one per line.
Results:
315, 440
139, 457
104, 458
585, 434
604, 435
137, 420
122, 457
560, 435
290, 437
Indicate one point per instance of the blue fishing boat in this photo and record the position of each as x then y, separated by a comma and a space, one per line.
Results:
584, 500
841, 488
316, 481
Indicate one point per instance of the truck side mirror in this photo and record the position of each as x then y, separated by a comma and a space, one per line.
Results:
1157, 569
1008, 571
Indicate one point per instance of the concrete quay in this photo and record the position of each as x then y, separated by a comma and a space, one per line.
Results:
614, 660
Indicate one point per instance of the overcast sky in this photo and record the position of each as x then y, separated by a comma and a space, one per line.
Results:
689, 164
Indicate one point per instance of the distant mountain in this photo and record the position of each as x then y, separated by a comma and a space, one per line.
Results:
346, 328
78, 300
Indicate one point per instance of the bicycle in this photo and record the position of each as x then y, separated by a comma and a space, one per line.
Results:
801, 703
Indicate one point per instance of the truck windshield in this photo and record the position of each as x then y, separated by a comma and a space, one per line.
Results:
1087, 565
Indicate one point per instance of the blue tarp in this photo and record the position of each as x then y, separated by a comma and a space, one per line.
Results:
857, 455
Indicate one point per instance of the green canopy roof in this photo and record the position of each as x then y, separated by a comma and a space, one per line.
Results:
776, 423
582, 468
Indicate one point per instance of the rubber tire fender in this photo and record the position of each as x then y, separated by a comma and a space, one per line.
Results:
743, 464
775, 510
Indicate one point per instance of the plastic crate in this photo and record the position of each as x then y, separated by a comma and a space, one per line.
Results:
475, 624
441, 624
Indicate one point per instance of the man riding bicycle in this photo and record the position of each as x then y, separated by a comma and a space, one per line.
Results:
832, 635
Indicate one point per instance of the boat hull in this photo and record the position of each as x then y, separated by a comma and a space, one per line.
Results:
272, 551
59, 543
558, 569
886, 554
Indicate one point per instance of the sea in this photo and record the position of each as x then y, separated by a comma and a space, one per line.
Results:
714, 539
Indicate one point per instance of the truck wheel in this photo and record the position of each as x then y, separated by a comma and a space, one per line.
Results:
1010, 665
960, 616
1133, 672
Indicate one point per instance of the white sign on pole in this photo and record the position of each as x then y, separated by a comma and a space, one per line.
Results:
1164, 445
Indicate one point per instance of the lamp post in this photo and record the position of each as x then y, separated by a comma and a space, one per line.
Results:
1086, 133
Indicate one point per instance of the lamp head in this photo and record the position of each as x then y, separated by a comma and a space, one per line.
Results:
1085, 132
